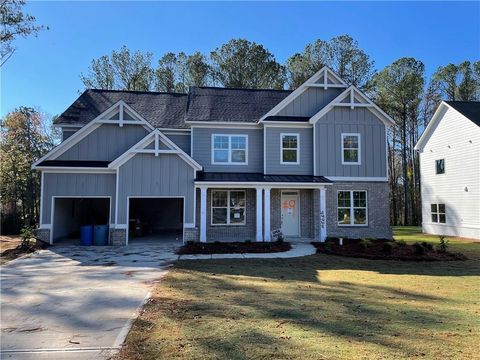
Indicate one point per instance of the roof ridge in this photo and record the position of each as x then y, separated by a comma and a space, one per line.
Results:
237, 88
138, 91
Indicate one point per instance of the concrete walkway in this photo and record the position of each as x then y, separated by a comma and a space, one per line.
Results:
73, 302
297, 250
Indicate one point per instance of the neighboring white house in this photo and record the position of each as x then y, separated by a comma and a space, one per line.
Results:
450, 170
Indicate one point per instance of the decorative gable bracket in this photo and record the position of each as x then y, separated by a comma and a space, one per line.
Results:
122, 114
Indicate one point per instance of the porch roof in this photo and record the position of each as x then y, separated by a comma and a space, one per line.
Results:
258, 178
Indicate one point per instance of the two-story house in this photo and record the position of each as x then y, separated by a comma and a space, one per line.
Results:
220, 164
450, 170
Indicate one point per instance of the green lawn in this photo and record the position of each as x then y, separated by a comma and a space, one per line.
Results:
316, 307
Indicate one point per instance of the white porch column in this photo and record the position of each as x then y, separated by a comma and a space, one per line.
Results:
323, 214
203, 214
259, 204
266, 236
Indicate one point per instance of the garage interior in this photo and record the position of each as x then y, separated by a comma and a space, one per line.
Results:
71, 213
155, 219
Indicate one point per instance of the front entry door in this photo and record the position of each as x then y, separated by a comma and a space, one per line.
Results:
290, 213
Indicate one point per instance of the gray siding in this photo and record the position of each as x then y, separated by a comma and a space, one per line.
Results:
56, 184
272, 148
149, 175
328, 144
67, 133
202, 149
310, 102
106, 143
182, 141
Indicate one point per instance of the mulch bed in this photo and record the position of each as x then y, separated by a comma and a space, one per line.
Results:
383, 249
21, 249
233, 248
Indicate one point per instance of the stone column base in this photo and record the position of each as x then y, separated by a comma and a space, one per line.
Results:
118, 237
191, 234
43, 235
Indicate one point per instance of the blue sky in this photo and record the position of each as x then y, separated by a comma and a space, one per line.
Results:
44, 72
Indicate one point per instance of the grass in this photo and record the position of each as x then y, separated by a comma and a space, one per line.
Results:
315, 307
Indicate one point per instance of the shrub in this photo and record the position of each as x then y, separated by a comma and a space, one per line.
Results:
280, 239
190, 242
400, 243
27, 234
364, 244
427, 246
418, 248
328, 246
248, 241
371, 239
443, 245
387, 247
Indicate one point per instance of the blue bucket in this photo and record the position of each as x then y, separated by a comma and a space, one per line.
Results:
86, 235
100, 235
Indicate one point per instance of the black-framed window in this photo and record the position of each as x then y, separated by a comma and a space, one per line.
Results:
440, 166
352, 208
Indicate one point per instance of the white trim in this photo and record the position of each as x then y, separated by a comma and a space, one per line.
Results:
52, 210
267, 211
252, 185
203, 214
297, 162
259, 214
264, 150
45, 226
353, 178
228, 207
314, 152
285, 124
75, 170
323, 214
191, 144
386, 153
223, 124
229, 150
297, 194
352, 209
154, 197
42, 182
352, 91
359, 149
71, 126
174, 130
117, 186
323, 72
90, 127
148, 139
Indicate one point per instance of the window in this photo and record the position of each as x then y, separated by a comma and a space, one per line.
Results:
228, 207
351, 149
352, 208
438, 213
440, 166
289, 144
229, 149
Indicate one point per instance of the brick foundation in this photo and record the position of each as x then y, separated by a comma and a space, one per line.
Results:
43, 235
118, 237
191, 234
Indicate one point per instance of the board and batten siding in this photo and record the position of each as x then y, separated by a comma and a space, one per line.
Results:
328, 143
149, 175
77, 185
66, 133
183, 141
457, 140
310, 102
105, 143
202, 149
273, 143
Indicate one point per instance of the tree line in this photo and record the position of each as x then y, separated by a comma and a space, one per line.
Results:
401, 89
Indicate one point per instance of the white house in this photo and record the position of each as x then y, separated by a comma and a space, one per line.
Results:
450, 170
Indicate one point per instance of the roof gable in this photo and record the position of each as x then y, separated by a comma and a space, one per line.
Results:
469, 109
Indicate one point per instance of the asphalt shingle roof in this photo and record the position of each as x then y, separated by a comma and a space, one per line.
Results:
470, 109
232, 105
165, 110
258, 177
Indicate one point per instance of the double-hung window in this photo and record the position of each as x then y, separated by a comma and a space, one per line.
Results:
229, 149
440, 166
352, 208
228, 207
351, 149
289, 145
438, 213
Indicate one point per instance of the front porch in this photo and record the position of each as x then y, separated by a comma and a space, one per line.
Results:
240, 211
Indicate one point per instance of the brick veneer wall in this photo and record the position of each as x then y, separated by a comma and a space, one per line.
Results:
43, 235
378, 211
118, 237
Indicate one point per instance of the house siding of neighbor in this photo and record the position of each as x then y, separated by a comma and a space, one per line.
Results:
451, 197
219, 164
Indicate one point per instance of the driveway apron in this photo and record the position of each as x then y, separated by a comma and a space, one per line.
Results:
72, 302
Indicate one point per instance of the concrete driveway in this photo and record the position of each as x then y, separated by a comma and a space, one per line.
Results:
72, 302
